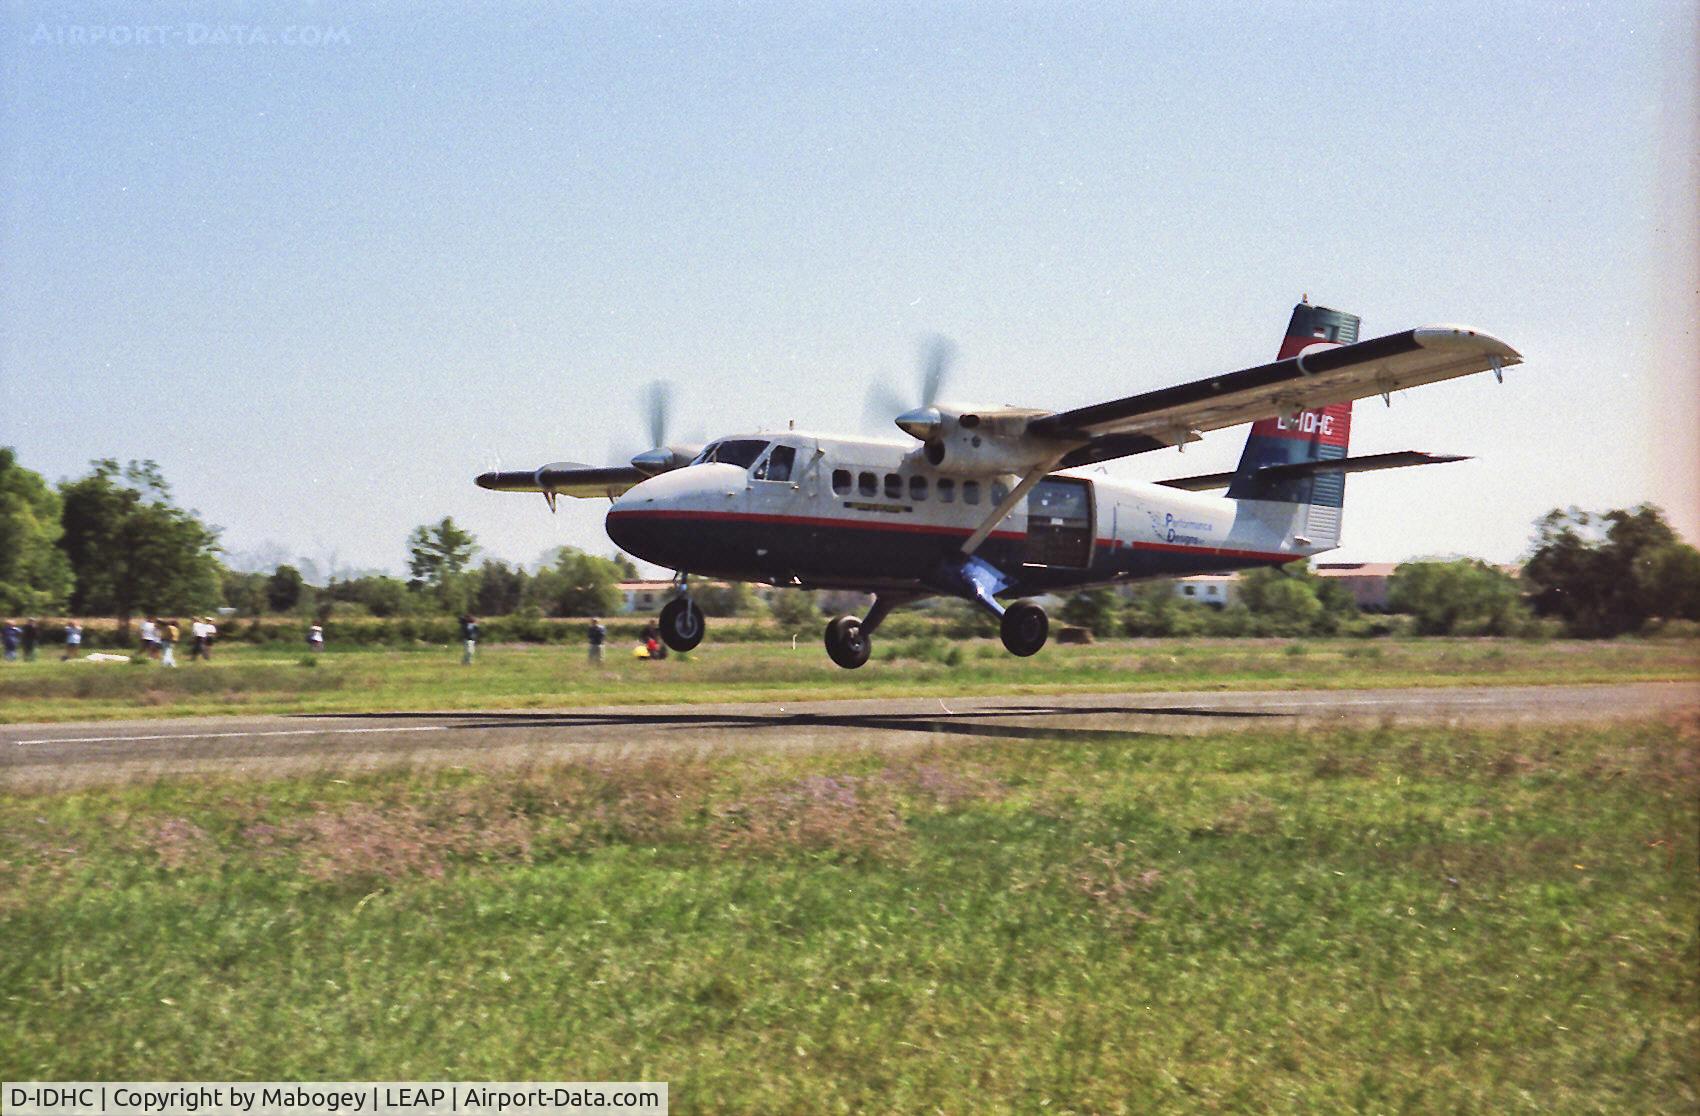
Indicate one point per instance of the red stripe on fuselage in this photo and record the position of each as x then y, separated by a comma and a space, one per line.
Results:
926, 529
804, 521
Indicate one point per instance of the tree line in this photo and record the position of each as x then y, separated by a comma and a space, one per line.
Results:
114, 542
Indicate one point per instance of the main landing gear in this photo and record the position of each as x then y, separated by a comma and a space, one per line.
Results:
848, 643
682, 623
849, 640
1023, 627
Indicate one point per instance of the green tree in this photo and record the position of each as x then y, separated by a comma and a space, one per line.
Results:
1669, 577
577, 584
245, 592
381, 595
795, 609
1465, 597
1285, 601
283, 589
35, 575
1093, 609
438, 555
131, 547
499, 588
1587, 569
1156, 610
734, 598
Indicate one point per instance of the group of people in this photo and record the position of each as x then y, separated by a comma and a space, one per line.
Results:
22, 640
596, 639
159, 638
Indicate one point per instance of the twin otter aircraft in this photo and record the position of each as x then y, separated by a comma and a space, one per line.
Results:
989, 502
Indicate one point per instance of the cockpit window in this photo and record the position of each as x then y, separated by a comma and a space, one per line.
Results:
741, 452
777, 467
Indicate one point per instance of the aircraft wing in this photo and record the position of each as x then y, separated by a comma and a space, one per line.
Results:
566, 478
1312, 379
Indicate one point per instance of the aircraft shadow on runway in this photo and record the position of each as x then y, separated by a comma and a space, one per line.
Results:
973, 722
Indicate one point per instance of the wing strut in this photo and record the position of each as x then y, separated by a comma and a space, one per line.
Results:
1007, 504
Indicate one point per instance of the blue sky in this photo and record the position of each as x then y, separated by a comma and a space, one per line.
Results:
326, 282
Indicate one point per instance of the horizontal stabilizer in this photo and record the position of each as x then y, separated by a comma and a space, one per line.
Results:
1367, 464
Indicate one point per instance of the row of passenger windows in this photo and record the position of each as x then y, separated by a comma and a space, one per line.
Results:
868, 484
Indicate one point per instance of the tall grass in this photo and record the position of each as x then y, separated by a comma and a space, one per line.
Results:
1372, 920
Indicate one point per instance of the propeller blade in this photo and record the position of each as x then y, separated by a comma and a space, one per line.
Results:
658, 403
883, 405
937, 355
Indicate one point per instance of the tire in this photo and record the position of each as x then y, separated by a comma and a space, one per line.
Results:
845, 643
682, 624
1024, 628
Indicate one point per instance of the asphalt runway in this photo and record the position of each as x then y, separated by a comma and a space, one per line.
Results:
113, 751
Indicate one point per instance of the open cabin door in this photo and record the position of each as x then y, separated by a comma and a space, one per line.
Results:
1059, 523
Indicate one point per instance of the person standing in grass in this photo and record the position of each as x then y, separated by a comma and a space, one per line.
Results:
469, 637
316, 638
73, 640
10, 636
149, 636
32, 636
598, 636
167, 641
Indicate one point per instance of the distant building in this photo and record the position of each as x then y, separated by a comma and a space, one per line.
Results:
1366, 581
639, 597
644, 596
1212, 589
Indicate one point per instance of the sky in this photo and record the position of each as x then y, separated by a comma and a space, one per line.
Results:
327, 262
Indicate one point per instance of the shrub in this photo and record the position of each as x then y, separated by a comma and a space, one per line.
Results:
1466, 597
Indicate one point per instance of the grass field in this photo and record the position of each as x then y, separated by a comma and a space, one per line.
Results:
1374, 920
262, 680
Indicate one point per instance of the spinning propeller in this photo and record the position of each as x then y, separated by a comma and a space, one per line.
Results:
658, 408
885, 403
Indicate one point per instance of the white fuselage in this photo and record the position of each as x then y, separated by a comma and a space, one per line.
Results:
871, 513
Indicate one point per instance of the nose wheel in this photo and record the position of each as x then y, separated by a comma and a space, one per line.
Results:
682, 624
1024, 627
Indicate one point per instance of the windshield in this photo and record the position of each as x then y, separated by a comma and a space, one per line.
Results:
741, 452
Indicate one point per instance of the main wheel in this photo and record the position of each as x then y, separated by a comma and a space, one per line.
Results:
1024, 628
845, 643
682, 625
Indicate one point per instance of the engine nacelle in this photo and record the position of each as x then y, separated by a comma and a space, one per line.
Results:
978, 441
664, 459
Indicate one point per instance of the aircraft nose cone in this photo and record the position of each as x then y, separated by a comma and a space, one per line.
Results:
626, 533
637, 523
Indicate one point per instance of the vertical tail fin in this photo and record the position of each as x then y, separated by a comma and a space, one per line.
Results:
1319, 435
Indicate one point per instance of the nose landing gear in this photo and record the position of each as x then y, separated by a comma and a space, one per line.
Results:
682, 623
